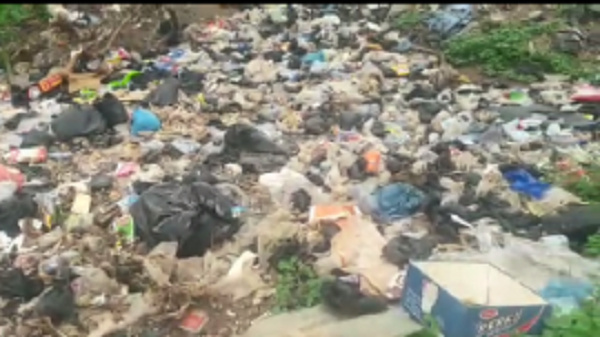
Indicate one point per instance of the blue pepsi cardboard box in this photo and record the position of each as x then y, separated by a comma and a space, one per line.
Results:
471, 299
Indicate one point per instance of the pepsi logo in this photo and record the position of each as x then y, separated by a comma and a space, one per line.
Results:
488, 314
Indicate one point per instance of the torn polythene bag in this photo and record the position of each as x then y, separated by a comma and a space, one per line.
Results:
195, 215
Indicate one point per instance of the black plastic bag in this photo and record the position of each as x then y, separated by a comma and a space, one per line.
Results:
301, 200
342, 296
576, 222
58, 304
169, 29
112, 110
12, 210
196, 215
167, 93
35, 137
402, 249
191, 82
13, 122
78, 121
243, 137
15, 284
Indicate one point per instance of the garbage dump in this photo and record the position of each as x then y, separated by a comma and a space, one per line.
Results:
284, 157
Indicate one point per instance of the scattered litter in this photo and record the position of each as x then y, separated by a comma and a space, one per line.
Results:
283, 156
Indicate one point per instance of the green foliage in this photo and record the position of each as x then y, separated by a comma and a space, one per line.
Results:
430, 329
499, 50
583, 322
13, 16
592, 246
585, 184
409, 20
588, 190
579, 13
12, 19
298, 286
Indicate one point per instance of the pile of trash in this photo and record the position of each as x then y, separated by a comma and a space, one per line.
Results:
132, 186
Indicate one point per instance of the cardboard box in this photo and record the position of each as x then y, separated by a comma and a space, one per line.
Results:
468, 299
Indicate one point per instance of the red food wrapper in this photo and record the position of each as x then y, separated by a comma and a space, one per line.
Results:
126, 169
194, 321
11, 174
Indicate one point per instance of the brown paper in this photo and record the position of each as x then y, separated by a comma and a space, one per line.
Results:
358, 247
79, 82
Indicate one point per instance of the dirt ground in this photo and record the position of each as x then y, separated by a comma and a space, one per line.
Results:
188, 14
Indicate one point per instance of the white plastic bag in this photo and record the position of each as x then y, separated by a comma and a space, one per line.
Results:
282, 184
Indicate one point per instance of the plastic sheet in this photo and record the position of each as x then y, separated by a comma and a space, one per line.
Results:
532, 263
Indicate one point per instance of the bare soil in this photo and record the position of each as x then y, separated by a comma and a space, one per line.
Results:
188, 14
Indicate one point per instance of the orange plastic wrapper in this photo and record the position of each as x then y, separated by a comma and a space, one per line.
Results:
50, 83
373, 159
331, 212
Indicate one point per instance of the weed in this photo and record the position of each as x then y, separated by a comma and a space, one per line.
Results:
409, 20
582, 322
298, 286
592, 246
430, 328
584, 182
579, 13
12, 19
502, 49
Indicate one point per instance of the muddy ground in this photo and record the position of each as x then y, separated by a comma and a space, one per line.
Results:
188, 14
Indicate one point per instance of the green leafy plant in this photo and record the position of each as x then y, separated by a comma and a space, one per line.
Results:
501, 49
409, 20
579, 13
12, 19
582, 322
298, 286
583, 182
592, 246
430, 328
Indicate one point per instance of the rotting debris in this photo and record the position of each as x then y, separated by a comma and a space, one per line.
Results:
283, 157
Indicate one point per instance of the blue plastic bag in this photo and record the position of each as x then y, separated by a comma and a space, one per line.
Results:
523, 182
451, 19
313, 57
396, 201
566, 294
143, 120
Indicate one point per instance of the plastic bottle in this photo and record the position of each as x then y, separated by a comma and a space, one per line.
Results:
44, 86
32, 155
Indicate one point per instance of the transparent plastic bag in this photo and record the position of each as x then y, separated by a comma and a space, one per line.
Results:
283, 184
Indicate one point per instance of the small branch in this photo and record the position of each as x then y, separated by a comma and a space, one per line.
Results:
7, 65
114, 34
